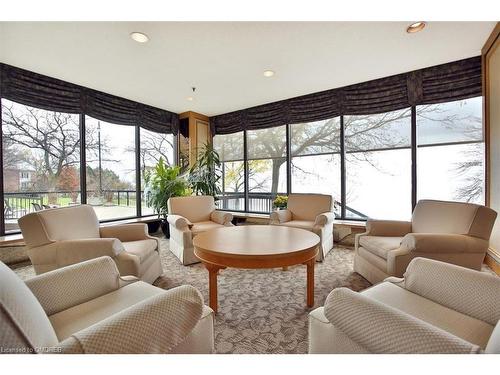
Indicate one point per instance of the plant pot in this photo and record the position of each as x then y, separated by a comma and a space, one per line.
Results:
153, 226
165, 228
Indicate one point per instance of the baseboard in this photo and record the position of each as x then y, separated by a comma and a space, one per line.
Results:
492, 260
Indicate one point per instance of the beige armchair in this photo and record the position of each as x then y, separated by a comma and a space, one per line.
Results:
62, 236
448, 231
189, 216
88, 308
436, 308
311, 212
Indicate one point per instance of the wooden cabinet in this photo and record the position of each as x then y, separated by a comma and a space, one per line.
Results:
196, 133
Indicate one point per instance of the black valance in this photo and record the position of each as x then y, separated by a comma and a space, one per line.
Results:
442, 83
53, 94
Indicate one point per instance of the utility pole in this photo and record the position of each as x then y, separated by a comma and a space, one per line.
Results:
99, 148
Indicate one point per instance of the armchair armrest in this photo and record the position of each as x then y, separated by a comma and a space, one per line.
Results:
155, 325
221, 217
179, 222
324, 219
443, 243
380, 328
280, 216
387, 228
72, 285
126, 232
74, 251
470, 292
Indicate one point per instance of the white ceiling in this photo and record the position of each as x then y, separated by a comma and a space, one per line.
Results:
225, 60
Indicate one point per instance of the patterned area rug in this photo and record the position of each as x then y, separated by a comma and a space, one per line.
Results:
260, 311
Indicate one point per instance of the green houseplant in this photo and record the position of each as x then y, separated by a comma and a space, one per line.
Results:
205, 174
162, 183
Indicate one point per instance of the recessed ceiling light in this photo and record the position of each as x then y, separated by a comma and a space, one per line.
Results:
139, 37
415, 27
268, 73
190, 98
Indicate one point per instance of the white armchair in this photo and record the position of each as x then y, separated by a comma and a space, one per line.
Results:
62, 236
310, 212
452, 232
89, 308
189, 216
436, 308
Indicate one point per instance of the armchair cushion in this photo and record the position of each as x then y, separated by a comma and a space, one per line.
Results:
221, 217
443, 243
174, 313
378, 245
142, 249
301, 224
179, 222
383, 329
203, 226
72, 285
470, 292
81, 316
458, 324
281, 216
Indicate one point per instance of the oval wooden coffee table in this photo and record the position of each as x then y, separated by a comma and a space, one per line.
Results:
256, 246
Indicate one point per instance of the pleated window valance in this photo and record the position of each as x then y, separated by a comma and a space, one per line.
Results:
442, 83
52, 94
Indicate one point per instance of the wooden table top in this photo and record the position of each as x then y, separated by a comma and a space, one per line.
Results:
256, 240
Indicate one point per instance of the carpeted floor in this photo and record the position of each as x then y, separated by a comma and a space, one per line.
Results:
260, 311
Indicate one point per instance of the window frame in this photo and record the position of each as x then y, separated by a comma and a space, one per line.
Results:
83, 175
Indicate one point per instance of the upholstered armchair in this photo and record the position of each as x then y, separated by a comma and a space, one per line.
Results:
448, 231
88, 308
311, 212
189, 216
62, 236
436, 308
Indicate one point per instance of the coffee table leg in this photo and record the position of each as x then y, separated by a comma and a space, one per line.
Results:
213, 271
310, 282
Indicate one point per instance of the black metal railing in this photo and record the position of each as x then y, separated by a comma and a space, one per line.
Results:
263, 202
21, 203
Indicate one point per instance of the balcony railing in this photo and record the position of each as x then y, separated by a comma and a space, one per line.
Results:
22, 203
263, 202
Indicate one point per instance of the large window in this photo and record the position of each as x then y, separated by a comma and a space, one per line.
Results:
378, 165
450, 156
315, 151
41, 154
154, 146
111, 172
232, 183
266, 157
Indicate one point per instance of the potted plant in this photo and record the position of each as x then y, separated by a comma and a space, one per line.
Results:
204, 175
162, 183
280, 202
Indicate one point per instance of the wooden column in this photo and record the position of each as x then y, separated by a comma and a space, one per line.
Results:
198, 135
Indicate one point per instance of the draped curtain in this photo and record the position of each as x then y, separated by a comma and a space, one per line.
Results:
52, 94
442, 83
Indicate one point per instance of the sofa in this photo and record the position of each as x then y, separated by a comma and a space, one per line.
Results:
62, 236
436, 308
89, 308
189, 216
452, 232
311, 212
